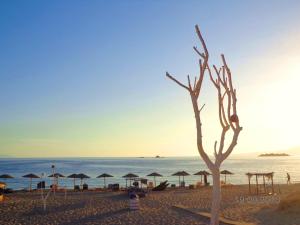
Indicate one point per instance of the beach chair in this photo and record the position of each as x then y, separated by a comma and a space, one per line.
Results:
182, 184
8, 191
162, 186
85, 187
191, 186
41, 185
150, 185
76, 188
114, 187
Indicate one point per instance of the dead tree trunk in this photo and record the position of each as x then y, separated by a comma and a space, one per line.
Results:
227, 116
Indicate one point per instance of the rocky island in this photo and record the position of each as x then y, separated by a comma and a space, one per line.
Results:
273, 154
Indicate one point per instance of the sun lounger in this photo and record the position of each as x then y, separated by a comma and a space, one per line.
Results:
8, 191
114, 187
162, 186
85, 187
76, 188
41, 185
150, 185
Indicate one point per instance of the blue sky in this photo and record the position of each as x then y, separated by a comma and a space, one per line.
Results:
86, 75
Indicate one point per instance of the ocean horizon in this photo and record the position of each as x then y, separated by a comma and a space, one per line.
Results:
142, 166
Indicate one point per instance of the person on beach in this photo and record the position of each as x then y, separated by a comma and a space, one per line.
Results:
288, 178
134, 202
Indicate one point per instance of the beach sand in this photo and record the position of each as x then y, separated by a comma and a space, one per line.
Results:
157, 208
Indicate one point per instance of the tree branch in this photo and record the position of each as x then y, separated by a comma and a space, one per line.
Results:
201, 40
176, 81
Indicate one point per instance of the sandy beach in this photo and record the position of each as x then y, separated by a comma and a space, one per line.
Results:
156, 208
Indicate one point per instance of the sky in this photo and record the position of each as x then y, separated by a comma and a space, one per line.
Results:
87, 78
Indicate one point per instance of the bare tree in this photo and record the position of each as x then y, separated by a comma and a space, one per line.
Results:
227, 116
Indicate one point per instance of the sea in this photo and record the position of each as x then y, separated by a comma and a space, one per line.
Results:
166, 166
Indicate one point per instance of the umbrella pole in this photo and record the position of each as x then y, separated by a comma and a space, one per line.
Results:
74, 183
53, 181
225, 178
30, 184
154, 181
104, 183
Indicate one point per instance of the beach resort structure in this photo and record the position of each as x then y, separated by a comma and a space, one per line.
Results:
268, 176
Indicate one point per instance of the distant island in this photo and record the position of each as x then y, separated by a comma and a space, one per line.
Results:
157, 157
273, 154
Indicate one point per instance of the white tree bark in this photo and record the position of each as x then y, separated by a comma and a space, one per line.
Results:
216, 197
228, 119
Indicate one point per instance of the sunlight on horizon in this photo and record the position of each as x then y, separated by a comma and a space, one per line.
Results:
81, 95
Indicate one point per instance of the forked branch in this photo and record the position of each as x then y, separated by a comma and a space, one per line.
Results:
223, 83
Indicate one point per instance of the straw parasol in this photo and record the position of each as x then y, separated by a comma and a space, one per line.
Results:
82, 176
154, 175
56, 175
31, 176
226, 172
74, 176
104, 175
179, 174
129, 176
202, 173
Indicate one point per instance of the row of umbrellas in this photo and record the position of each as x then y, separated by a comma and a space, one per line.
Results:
200, 173
82, 176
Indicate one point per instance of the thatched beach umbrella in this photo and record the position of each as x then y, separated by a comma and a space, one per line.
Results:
56, 175
31, 176
74, 176
129, 176
154, 175
104, 175
82, 176
202, 173
226, 172
179, 174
